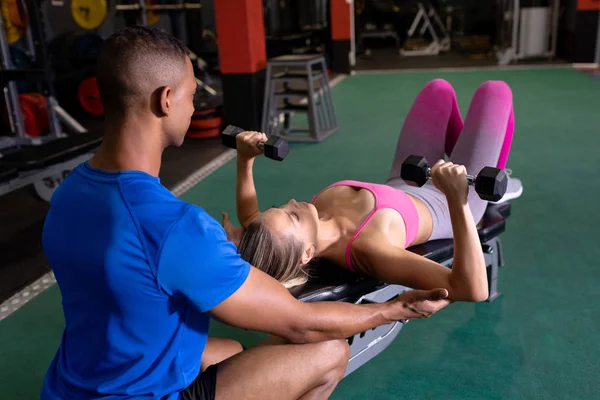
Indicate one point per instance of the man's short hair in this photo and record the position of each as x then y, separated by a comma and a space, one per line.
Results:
132, 61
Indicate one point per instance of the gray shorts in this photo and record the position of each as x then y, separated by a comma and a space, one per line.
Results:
438, 205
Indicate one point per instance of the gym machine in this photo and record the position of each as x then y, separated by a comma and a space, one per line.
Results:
427, 20
296, 27
427, 34
526, 32
376, 20
43, 161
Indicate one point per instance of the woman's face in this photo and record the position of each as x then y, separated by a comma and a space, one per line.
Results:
300, 220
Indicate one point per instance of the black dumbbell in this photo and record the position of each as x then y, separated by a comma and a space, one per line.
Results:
490, 183
275, 147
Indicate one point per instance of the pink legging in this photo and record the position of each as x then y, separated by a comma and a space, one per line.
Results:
434, 128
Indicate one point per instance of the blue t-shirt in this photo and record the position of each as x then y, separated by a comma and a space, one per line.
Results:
138, 270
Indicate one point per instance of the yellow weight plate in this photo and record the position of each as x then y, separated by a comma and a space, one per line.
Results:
152, 16
89, 14
14, 33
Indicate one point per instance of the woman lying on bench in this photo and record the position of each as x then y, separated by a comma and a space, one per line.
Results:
367, 227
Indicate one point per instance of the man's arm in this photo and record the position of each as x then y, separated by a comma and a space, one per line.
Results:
264, 305
198, 263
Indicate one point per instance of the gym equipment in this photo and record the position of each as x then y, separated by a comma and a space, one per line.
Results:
89, 96
205, 124
376, 19
26, 159
526, 32
74, 61
490, 184
20, 60
44, 166
148, 10
328, 282
15, 19
275, 148
35, 114
75, 50
440, 40
89, 14
207, 120
312, 95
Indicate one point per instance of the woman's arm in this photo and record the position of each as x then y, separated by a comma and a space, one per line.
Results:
467, 280
377, 257
245, 193
468, 267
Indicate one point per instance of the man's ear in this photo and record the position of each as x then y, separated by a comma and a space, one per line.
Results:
165, 105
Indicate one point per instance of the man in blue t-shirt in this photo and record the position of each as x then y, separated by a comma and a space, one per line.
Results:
142, 272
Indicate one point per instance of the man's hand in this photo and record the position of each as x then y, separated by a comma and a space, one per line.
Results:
234, 233
415, 304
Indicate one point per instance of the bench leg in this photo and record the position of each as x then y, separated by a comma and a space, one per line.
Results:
366, 345
494, 260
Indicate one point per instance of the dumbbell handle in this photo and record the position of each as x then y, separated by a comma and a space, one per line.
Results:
470, 178
261, 145
234, 131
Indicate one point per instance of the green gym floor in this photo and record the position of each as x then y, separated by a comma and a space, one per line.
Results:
537, 341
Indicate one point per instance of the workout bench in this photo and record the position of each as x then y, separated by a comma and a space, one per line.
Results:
44, 165
332, 283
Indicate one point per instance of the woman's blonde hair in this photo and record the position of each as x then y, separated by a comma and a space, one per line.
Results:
279, 257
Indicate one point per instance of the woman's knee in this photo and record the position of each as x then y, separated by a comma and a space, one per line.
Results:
497, 89
438, 87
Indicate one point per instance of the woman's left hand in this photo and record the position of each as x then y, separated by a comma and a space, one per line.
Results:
451, 179
234, 233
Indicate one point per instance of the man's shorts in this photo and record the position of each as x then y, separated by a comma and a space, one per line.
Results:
203, 387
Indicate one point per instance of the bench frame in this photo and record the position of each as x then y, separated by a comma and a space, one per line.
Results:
52, 175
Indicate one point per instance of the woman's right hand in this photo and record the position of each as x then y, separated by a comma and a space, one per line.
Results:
451, 179
246, 144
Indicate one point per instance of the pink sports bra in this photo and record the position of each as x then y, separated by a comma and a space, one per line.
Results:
385, 197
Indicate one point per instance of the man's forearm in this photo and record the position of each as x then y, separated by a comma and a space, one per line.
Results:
246, 200
468, 267
340, 320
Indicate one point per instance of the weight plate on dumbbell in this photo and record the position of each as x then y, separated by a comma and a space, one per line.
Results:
89, 14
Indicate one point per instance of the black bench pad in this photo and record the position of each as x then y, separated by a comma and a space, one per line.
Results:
29, 157
6, 174
330, 282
